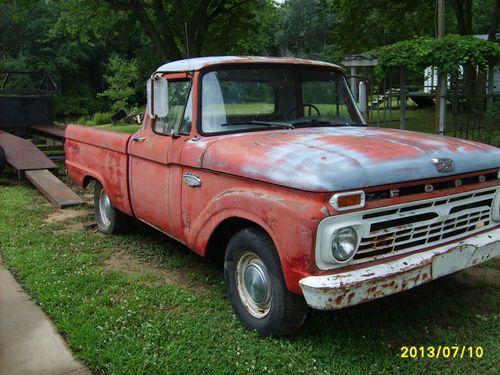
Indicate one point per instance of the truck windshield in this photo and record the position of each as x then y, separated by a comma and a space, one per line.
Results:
257, 98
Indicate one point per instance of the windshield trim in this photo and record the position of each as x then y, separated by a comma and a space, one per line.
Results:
210, 69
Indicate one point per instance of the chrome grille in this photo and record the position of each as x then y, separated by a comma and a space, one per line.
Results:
408, 227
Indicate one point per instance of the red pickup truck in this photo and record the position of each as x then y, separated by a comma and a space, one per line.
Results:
269, 161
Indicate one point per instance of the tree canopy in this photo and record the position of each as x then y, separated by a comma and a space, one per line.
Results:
100, 52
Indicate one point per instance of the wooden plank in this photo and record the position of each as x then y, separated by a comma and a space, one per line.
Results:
56, 131
23, 155
53, 188
51, 148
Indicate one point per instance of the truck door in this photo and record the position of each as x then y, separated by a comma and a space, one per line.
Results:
154, 155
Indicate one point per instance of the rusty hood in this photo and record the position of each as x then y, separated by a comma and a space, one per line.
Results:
343, 158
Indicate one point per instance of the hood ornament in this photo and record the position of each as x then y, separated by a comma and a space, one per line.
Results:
443, 164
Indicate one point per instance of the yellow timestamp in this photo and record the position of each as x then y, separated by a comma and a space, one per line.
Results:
441, 351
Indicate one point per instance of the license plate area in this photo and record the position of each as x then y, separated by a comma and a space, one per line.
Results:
452, 261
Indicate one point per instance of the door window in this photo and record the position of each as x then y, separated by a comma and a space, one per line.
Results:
179, 109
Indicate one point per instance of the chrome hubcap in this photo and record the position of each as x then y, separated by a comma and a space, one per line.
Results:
254, 285
104, 208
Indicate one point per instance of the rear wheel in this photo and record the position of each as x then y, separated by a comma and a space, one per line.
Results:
109, 219
2, 159
256, 285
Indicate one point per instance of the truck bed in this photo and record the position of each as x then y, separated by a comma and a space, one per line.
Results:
96, 154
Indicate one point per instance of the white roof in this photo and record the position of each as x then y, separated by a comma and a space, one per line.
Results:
198, 63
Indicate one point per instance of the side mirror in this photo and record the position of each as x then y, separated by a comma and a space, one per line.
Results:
157, 89
363, 98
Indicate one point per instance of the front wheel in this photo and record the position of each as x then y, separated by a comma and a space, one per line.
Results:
256, 286
109, 219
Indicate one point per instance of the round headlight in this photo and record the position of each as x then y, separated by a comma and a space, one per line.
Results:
344, 243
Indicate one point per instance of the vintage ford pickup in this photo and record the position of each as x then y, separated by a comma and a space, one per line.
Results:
269, 161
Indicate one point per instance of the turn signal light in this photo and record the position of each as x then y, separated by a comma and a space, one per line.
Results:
348, 201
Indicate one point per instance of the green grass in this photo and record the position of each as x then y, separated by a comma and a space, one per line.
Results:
125, 128
418, 119
147, 323
424, 120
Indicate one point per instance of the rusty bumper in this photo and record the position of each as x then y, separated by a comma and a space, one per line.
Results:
330, 292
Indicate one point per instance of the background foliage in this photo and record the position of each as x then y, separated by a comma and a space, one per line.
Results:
101, 52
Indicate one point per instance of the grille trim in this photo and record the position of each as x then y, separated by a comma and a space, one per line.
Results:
454, 217
439, 227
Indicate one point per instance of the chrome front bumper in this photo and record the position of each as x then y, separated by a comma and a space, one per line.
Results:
335, 291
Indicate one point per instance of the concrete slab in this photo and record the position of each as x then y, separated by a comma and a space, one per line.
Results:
29, 342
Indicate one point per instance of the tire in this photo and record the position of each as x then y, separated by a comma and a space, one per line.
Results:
265, 305
109, 219
2, 159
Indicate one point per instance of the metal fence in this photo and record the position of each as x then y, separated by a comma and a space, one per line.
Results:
402, 101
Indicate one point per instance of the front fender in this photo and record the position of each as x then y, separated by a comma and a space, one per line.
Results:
289, 218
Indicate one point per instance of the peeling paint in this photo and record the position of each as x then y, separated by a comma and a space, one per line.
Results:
351, 157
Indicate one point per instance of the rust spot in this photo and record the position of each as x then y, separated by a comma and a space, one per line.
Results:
350, 297
339, 299
324, 158
371, 289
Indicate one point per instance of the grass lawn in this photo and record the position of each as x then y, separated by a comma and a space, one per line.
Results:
423, 120
143, 304
126, 128
418, 119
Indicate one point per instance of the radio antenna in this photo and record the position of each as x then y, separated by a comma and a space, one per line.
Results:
187, 44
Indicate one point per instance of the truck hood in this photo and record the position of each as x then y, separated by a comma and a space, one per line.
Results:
343, 158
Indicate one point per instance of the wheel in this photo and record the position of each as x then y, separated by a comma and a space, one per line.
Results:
256, 286
109, 219
2, 159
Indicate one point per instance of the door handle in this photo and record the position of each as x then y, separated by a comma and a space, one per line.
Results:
192, 180
138, 139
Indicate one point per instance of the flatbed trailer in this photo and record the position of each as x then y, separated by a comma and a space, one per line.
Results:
26, 130
29, 161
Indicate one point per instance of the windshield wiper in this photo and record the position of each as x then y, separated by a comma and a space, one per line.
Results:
315, 122
285, 125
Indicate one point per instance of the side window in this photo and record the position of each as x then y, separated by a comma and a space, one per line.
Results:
178, 92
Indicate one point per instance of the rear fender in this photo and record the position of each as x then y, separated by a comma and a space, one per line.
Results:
82, 175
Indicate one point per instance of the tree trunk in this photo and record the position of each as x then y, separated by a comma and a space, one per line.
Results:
492, 35
463, 14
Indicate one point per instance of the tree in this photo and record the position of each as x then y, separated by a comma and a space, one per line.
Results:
304, 30
164, 21
121, 77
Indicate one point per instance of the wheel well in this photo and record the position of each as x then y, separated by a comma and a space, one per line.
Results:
222, 234
87, 180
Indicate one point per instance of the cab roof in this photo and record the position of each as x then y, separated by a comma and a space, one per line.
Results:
199, 63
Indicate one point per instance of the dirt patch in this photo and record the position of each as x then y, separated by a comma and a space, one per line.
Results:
486, 273
489, 273
71, 228
124, 262
65, 214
